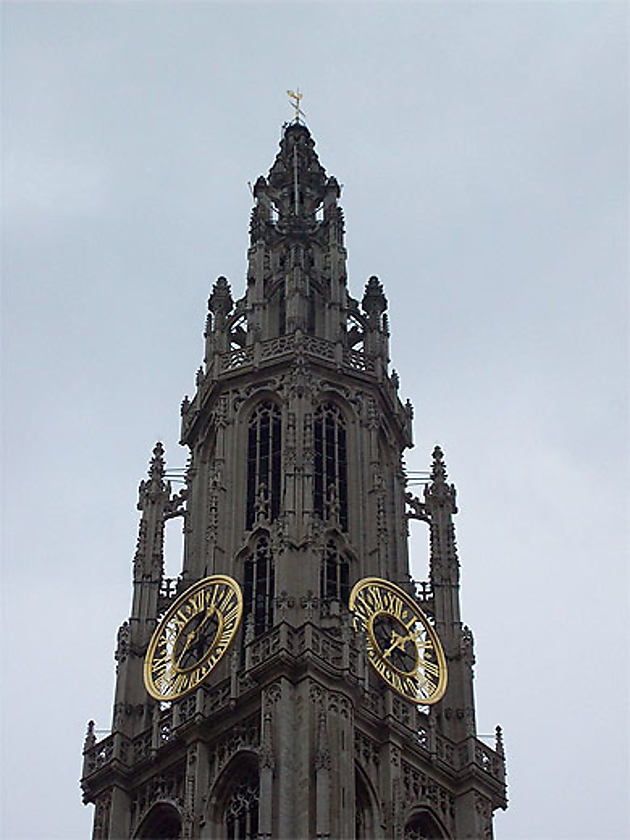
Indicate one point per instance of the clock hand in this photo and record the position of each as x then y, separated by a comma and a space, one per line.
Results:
194, 635
400, 641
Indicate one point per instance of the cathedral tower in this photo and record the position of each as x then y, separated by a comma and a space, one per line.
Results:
296, 490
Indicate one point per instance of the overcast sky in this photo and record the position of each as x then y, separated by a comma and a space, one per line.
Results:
483, 152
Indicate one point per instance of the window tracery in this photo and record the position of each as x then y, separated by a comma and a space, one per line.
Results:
334, 574
258, 588
264, 461
241, 810
330, 465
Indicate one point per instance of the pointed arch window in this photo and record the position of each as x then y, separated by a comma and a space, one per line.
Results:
162, 823
264, 461
423, 827
331, 465
334, 574
241, 810
259, 587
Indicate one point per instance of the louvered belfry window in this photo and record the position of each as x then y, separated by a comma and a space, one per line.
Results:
264, 462
331, 464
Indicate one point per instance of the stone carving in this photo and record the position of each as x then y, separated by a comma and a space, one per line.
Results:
164, 787
284, 602
141, 545
90, 737
101, 816
244, 735
122, 642
498, 745
309, 602
322, 753
467, 646
189, 793
417, 509
272, 695
421, 789
366, 750
212, 510
484, 809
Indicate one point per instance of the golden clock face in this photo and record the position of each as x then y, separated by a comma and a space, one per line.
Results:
401, 644
192, 637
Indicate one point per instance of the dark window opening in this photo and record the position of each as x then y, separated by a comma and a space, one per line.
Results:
331, 465
264, 462
423, 827
162, 823
259, 588
334, 575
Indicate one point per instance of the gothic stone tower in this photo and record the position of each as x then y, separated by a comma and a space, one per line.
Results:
295, 487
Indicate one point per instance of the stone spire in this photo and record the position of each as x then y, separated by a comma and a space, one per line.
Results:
439, 493
297, 261
297, 183
439, 502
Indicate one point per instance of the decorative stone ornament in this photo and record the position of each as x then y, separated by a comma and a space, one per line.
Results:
402, 646
192, 637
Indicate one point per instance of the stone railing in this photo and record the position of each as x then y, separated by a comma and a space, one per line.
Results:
283, 345
306, 639
270, 644
474, 753
236, 359
458, 756
98, 755
263, 352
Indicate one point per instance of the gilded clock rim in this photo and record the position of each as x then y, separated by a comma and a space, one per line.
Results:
180, 601
410, 603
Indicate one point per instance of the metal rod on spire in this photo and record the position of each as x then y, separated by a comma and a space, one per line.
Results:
295, 179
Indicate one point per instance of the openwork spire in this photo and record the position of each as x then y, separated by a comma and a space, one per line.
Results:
297, 195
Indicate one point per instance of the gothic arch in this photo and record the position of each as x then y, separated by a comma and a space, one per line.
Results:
366, 807
162, 822
423, 824
233, 803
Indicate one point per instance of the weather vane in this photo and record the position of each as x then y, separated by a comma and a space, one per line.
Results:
295, 101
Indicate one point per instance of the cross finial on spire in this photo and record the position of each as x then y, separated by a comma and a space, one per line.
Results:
296, 98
